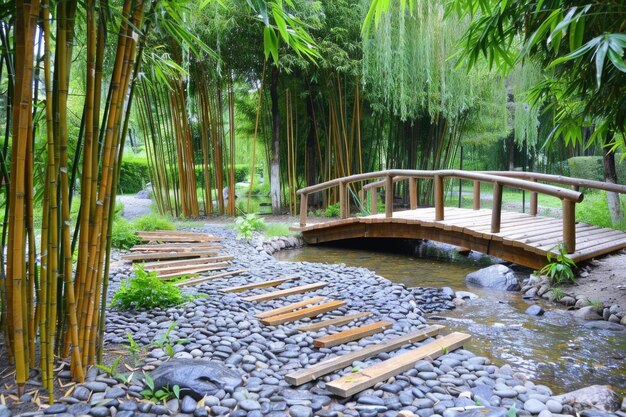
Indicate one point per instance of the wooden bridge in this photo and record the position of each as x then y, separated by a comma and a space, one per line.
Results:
522, 238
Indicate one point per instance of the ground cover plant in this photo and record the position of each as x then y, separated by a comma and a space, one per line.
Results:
145, 291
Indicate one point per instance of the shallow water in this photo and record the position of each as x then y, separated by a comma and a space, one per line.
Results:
553, 349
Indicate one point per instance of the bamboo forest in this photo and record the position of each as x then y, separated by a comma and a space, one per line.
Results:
166, 163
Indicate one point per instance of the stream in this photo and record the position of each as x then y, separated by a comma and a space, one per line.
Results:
553, 349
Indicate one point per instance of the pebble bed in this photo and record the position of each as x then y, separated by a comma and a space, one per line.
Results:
221, 327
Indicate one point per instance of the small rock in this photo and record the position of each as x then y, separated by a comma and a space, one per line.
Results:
249, 405
534, 406
188, 405
55, 409
497, 277
535, 310
300, 411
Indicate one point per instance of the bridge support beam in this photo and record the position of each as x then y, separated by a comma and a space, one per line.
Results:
476, 195
373, 200
304, 198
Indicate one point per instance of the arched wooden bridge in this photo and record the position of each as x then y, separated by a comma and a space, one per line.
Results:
522, 238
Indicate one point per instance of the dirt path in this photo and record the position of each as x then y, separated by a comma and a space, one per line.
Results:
605, 280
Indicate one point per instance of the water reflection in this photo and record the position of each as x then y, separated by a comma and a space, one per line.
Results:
553, 349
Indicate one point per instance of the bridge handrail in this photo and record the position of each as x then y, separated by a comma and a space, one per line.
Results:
568, 197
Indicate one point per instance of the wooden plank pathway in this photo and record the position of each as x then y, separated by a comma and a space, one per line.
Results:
523, 239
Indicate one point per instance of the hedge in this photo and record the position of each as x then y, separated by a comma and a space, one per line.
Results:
134, 174
592, 168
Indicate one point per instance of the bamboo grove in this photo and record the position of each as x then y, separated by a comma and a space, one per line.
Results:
54, 284
357, 107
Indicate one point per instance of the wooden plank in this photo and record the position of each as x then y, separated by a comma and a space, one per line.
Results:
538, 237
202, 260
358, 381
216, 265
193, 270
303, 313
262, 284
289, 307
175, 248
325, 367
174, 239
583, 243
332, 322
350, 335
167, 255
200, 280
598, 250
283, 293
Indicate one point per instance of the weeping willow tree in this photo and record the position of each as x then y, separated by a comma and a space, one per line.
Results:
407, 73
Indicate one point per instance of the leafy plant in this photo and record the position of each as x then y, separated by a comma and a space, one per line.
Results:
151, 222
133, 347
145, 291
112, 370
123, 234
247, 224
166, 343
161, 394
560, 267
332, 210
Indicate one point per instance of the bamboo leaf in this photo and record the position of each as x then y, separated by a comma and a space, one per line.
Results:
600, 56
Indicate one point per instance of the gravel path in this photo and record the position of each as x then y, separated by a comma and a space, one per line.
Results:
134, 207
222, 329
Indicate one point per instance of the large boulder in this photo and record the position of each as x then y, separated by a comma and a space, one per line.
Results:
497, 277
587, 313
196, 378
601, 397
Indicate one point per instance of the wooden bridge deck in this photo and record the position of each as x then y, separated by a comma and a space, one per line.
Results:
523, 239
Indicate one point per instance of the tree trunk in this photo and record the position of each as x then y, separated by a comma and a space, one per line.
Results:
275, 161
610, 175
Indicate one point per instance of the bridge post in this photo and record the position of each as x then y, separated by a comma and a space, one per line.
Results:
569, 225
476, 195
413, 192
343, 201
303, 208
374, 200
388, 196
438, 197
496, 210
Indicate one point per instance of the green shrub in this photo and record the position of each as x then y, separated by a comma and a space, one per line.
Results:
241, 173
592, 168
247, 224
145, 291
560, 267
134, 174
332, 210
151, 222
123, 234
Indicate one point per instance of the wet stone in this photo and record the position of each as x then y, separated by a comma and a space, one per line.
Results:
99, 411
79, 409
115, 392
96, 386
56, 409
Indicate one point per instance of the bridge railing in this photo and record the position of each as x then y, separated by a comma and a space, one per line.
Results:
568, 197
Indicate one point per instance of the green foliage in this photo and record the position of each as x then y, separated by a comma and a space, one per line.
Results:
597, 304
112, 370
592, 168
151, 222
277, 229
241, 173
145, 291
594, 210
512, 411
134, 174
557, 293
560, 267
166, 342
133, 347
333, 210
247, 224
123, 234
162, 394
